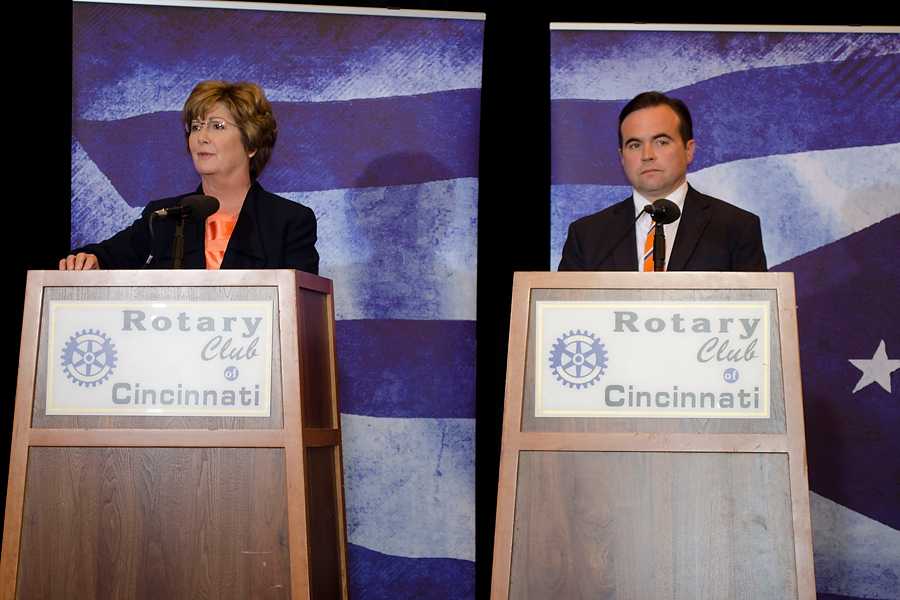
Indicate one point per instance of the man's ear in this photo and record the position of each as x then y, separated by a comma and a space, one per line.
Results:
689, 148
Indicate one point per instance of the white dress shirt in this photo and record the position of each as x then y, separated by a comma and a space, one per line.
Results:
644, 224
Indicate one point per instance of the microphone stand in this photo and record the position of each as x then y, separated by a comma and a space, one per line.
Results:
662, 212
196, 206
659, 247
178, 242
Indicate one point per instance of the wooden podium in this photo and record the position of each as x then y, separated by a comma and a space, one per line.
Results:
216, 502
653, 442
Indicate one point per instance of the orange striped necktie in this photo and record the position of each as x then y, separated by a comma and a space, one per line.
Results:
648, 249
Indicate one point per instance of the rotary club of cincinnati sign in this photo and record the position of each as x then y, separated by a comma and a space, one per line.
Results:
652, 359
160, 358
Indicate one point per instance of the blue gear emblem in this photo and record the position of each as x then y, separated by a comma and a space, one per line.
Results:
89, 357
578, 359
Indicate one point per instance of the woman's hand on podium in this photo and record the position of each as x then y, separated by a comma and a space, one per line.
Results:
82, 261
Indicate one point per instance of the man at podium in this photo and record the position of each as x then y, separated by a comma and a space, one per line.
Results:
656, 145
230, 221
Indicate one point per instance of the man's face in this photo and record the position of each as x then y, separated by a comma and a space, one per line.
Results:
654, 156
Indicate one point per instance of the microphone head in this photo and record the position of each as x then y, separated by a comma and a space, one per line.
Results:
200, 206
664, 211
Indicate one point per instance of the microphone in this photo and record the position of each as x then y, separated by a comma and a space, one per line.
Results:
196, 206
663, 211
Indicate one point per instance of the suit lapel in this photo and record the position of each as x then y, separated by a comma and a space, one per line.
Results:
694, 219
625, 255
245, 248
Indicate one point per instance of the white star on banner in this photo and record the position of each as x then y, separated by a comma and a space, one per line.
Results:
877, 369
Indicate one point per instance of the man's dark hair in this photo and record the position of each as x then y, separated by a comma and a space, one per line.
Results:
651, 99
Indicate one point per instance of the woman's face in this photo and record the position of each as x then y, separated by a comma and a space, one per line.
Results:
216, 146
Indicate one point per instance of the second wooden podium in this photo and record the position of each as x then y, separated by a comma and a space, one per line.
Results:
653, 442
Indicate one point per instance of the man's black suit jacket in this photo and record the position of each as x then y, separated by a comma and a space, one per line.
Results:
712, 236
271, 233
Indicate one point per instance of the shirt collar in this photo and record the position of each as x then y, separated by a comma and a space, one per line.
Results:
677, 196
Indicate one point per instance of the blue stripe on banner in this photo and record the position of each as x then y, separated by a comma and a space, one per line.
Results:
376, 576
742, 115
325, 145
610, 65
142, 59
393, 368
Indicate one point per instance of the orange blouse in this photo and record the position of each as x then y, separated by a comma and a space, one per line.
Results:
218, 231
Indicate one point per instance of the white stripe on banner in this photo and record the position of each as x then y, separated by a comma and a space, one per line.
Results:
805, 200
394, 252
853, 553
809, 199
679, 59
399, 242
410, 485
96, 205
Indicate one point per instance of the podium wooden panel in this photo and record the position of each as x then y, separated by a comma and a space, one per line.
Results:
181, 506
628, 507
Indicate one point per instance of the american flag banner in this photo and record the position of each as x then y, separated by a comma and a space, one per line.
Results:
802, 127
378, 120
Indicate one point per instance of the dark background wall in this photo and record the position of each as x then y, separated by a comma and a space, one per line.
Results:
514, 178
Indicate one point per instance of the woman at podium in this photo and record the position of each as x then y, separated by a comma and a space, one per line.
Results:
229, 221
